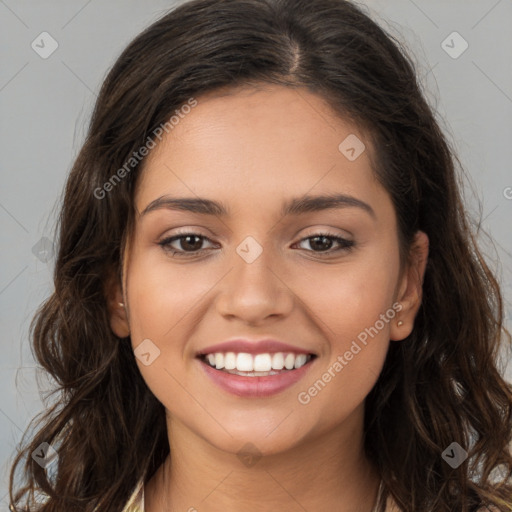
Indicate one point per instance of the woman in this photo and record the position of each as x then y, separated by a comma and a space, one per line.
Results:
267, 294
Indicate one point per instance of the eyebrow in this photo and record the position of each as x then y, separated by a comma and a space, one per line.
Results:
294, 206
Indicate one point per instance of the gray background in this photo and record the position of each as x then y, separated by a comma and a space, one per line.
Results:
45, 105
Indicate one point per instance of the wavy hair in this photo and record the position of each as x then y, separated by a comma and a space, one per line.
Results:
440, 385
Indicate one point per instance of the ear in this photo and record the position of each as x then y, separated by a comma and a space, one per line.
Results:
117, 312
410, 288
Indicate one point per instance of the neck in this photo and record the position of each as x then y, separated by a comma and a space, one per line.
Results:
329, 471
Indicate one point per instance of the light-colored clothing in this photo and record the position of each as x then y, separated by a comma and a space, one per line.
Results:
136, 501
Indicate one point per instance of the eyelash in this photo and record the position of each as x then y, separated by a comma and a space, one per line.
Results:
345, 245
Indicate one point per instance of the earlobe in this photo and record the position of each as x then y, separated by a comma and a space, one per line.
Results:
117, 310
411, 288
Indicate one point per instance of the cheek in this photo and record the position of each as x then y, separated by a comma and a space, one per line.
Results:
354, 308
163, 304
164, 297
349, 298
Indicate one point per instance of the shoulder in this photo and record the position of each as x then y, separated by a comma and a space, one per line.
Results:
136, 501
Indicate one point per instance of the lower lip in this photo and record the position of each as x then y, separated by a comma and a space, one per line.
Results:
255, 386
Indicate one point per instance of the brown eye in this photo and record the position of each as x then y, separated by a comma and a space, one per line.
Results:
188, 243
323, 242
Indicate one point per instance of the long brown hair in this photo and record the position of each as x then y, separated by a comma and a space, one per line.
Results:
439, 386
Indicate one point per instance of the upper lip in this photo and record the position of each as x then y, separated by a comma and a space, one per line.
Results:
253, 347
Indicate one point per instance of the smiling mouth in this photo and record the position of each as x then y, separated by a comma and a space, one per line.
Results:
256, 365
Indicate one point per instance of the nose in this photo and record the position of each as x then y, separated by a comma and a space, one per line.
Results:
254, 291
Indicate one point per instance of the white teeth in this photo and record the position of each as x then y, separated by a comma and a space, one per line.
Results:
230, 361
219, 360
289, 361
278, 361
262, 363
300, 360
244, 362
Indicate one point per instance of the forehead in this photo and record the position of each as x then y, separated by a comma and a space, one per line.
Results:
245, 144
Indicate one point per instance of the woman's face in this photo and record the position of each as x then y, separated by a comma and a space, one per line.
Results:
260, 270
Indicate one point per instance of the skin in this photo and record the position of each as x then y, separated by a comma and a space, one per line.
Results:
235, 148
